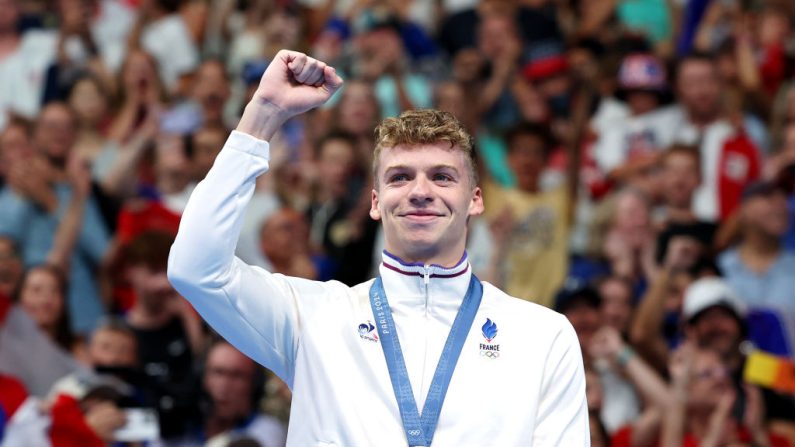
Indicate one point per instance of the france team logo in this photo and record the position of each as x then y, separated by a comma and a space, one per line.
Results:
489, 330
488, 349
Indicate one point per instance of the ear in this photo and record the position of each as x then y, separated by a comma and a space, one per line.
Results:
476, 206
375, 214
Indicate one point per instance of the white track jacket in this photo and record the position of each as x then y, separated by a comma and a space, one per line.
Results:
522, 387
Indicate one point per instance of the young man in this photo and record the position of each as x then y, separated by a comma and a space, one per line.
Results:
519, 377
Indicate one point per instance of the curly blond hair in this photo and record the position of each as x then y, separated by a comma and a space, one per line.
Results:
424, 126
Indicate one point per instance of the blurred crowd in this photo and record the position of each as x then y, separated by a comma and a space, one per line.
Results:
637, 159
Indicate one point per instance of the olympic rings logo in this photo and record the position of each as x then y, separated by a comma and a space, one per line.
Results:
490, 354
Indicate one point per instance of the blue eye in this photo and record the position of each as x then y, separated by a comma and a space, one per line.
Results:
442, 178
398, 178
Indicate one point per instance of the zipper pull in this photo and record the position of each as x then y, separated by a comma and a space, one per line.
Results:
427, 275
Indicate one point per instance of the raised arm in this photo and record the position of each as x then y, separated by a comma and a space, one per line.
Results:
256, 311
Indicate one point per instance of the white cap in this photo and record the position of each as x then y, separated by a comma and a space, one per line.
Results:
707, 292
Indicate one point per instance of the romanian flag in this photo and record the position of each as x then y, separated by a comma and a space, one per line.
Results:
770, 371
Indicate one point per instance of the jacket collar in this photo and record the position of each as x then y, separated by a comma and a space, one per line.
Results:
396, 264
435, 287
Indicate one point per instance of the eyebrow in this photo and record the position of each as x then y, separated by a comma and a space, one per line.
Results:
409, 168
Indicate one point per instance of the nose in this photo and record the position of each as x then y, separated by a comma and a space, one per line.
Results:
421, 190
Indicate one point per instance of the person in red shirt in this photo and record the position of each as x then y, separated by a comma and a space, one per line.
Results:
701, 404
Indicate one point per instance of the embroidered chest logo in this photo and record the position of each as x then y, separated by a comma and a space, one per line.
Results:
488, 349
368, 332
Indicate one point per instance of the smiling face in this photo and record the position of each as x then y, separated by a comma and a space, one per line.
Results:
424, 196
42, 298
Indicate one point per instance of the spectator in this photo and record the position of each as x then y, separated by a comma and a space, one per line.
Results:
141, 95
285, 243
211, 91
642, 83
628, 241
91, 421
759, 268
534, 260
729, 159
168, 331
15, 145
701, 404
233, 385
91, 104
625, 378
42, 294
111, 354
205, 144
580, 304
162, 32
617, 304
29, 213
681, 176
357, 113
381, 58
340, 227
26, 352
24, 60
698, 410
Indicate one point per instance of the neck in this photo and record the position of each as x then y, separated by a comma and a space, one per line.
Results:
759, 251
761, 244
681, 214
697, 423
216, 425
702, 121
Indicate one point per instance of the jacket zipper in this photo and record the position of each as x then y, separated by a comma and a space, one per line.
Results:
426, 281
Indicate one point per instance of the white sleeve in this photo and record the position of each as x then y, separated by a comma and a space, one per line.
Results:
609, 150
562, 417
256, 311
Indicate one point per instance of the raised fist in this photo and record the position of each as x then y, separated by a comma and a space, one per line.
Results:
295, 83
292, 84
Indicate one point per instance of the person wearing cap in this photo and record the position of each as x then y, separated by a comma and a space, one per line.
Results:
761, 270
729, 158
700, 408
643, 86
714, 318
714, 326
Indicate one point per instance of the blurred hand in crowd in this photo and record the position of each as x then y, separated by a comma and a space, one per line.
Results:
104, 418
683, 252
33, 180
605, 344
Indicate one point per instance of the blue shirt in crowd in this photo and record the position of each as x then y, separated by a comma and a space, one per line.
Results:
33, 230
770, 297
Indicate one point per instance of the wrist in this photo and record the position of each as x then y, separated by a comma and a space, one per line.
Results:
262, 119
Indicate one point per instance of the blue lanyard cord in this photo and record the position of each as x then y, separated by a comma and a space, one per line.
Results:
420, 429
